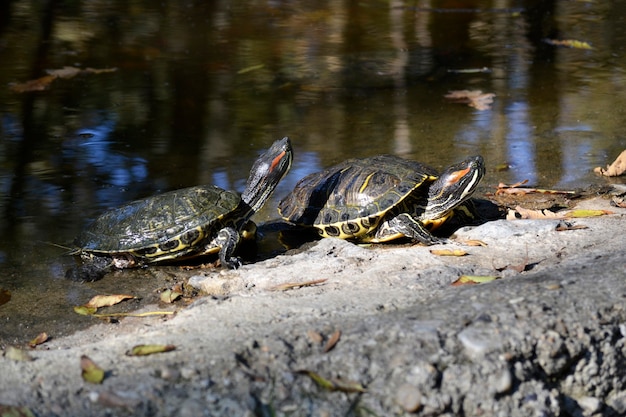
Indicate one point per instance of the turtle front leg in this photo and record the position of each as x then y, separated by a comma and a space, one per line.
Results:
405, 224
228, 240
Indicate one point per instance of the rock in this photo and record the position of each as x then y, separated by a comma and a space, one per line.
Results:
409, 398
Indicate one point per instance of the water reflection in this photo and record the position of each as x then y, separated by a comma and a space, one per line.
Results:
202, 87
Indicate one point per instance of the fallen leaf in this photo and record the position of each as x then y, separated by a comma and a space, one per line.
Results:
617, 168
44, 82
15, 411
333, 384
90, 371
448, 252
169, 296
314, 336
5, 296
107, 300
581, 213
522, 213
564, 226
291, 285
568, 43
39, 84
144, 350
334, 338
473, 98
474, 242
618, 201
85, 311
17, 355
41, 338
473, 279
518, 189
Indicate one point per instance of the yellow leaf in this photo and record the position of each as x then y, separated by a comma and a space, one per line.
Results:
169, 296
107, 300
85, 311
143, 350
333, 384
41, 338
473, 279
579, 213
448, 252
90, 371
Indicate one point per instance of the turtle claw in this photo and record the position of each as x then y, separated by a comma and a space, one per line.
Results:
232, 262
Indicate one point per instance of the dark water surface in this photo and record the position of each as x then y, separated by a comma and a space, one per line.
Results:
201, 88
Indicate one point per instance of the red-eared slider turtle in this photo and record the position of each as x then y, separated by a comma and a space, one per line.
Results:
184, 223
381, 198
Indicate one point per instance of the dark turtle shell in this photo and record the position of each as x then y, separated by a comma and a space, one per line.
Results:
166, 226
350, 199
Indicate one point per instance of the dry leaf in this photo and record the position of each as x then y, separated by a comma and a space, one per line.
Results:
41, 338
517, 189
291, 285
473, 279
617, 168
17, 354
522, 213
314, 336
448, 252
474, 242
333, 384
90, 371
107, 300
334, 338
5, 296
144, 350
568, 43
473, 98
563, 226
44, 82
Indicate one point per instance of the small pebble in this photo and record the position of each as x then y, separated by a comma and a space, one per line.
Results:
590, 404
409, 398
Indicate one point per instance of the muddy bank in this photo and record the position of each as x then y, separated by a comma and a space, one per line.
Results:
547, 338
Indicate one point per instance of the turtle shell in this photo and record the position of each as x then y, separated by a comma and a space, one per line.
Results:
166, 226
349, 200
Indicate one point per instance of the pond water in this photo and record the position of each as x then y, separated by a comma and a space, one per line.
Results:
178, 93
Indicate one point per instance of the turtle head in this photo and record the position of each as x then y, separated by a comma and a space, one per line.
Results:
267, 172
454, 186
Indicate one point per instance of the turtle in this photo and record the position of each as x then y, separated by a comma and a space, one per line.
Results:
184, 223
382, 198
